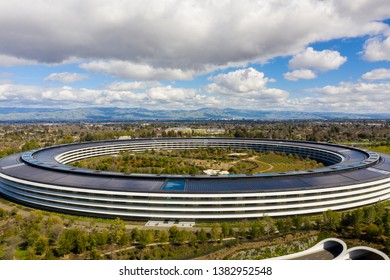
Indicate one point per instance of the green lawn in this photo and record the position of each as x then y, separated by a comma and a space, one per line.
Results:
379, 149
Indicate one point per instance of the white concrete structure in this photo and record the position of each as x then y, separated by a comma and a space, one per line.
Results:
41, 178
336, 249
362, 253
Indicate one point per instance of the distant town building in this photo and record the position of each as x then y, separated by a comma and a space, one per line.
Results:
184, 130
196, 131
124, 137
208, 131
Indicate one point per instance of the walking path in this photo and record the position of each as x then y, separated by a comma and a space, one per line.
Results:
266, 170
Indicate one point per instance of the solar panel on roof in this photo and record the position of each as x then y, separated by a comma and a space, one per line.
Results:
363, 175
135, 185
174, 185
321, 181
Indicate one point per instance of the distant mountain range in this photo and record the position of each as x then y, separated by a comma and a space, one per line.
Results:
135, 114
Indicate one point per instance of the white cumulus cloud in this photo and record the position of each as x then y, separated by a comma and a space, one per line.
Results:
296, 75
377, 74
144, 95
377, 49
132, 86
9, 61
324, 60
169, 93
129, 70
349, 97
246, 87
178, 39
242, 80
66, 77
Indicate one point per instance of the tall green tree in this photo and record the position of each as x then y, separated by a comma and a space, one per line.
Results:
41, 245
182, 237
216, 232
135, 234
163, 236
373, 232
72, 240
330, 220
117, 230
256, 229
147, 237
173, 233
202, 236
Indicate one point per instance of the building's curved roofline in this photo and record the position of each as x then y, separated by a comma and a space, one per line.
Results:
350, 166
343, 157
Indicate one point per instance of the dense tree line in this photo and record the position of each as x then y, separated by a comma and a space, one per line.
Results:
39, 236
15, 136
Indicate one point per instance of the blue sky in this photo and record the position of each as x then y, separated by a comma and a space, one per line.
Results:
264, 55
